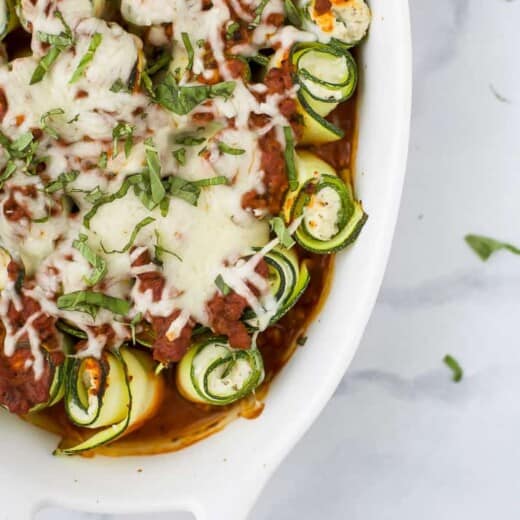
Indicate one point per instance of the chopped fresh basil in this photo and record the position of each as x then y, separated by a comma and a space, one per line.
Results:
9, 169
486, 246
102, 199
73, 120
184, 190
140, 225
180, 156
99, 264
280, 230
95, 195
189, 50
225, 148
293, 14
135, 321
189, 140
20, 145
119, 86
154, 168
258, 12
160, 250
95, 42
41, 220
222, 286
90, 302
103, 160
44, 121
123, 131
61, 182
455, 367
183, 99
58, 43
289, 154
160, 63
231, 29
211, 181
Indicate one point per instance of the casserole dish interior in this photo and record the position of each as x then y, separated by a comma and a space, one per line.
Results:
222, 476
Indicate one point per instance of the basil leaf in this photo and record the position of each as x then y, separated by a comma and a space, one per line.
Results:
61, 182
154, 167
289, 154
135, 321
231, 29
9, 169
44, 121
180, 156
212, 181
258, 12
160, 250
189, 50
183, 99
222, 286
103, 160
140, 225
293, 14
20, 145
284, 236
95, 42
485, 246
120, 131
133, 180
99, 264
95, 195
119, 86
189, 140
225, 148
184, 190
90, 302
160, 63
455, 367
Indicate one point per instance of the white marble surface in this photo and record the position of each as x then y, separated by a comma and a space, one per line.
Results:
399, 439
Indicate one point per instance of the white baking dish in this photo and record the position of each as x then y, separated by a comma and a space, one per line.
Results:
221, 477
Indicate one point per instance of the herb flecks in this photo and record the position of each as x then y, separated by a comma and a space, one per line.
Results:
484, 246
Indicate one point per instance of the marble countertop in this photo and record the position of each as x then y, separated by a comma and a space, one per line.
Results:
400, 439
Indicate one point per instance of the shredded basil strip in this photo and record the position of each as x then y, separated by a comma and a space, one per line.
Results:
120, 131
103, 199
455, 367
160, 250
293, 14
225, 148
103, 160
260, 59
180, 156
9, 169
211, 181
95, 42
135, 321
58, 42
95, 195
140, 225
119, 86
231, 29
154, 167
90, 302
258, 12
61, 182
160, 63
99, 264
189, 140
280, 230
44, 121
486, 246
189, 50
184, 190
183, 99
289, 153
222, 286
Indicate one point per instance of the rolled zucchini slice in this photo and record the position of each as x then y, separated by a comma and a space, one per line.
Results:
332, 219
115, 395
346, 22
212, 372
288, 280
8, 18
327, 75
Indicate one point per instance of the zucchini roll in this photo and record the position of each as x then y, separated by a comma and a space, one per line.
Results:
288, 279
113, 395
8, 18
342, 21
212, 372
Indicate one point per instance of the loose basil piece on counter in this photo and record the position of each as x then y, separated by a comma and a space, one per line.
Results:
484, 247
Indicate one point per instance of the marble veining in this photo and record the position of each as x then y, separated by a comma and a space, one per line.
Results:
400, 440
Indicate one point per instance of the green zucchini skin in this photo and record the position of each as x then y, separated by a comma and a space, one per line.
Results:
316, 88
9, 20
132, 392
350, 216
212, 364
288, 279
